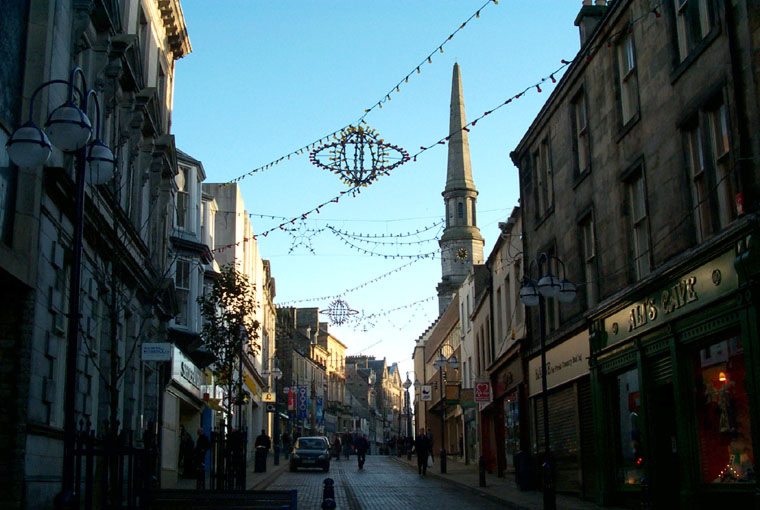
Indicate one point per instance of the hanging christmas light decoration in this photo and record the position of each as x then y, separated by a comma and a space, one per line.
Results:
339, 312
358, 156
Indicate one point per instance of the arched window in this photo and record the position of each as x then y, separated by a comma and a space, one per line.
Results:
460, 210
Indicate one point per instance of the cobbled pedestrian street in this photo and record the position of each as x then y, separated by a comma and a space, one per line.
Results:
383, 484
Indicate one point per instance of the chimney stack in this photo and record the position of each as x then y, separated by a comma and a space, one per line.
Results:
589, 17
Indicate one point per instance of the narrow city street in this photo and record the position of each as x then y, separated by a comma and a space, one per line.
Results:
383, 483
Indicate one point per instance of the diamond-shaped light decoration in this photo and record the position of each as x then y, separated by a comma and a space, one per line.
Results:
358, 156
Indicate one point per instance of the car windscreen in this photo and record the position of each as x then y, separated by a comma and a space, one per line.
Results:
311, 444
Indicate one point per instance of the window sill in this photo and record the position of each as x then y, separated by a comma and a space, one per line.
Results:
693, 56
625, 129
581, 176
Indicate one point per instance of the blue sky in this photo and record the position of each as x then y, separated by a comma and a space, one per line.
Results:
268, 77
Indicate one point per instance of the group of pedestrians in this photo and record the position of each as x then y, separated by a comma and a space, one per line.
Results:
192, 453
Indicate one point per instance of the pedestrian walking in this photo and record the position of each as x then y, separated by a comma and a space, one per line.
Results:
347, 440
422, 447
286, 444
336, 447
262, 445
361, 445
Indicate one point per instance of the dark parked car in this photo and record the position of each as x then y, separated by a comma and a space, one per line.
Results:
310, 452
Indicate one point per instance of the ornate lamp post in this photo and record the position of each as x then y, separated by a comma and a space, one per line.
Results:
548, 284
68, 128
441, 364
408, 384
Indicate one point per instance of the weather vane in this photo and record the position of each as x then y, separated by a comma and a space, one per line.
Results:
358, 156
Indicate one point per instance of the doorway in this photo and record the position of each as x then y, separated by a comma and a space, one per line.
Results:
664, 466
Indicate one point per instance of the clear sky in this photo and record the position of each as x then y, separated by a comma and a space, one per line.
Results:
268, 77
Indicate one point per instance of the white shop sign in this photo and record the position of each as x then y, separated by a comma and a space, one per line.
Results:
186, 374
565, 362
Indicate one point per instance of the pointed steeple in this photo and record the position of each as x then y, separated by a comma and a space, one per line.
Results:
461, 243
459, 174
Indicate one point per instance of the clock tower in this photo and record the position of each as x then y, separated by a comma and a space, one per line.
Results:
461, 243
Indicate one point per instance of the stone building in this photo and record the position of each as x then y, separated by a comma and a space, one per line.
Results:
127, 52
640, 173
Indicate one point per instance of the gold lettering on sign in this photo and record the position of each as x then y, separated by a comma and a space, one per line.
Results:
679, 295
641, 314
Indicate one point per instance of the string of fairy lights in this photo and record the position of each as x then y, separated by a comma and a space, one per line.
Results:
352, 289
379, 104
350, 238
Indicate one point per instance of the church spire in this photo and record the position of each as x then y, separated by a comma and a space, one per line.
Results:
459, 173
461, 243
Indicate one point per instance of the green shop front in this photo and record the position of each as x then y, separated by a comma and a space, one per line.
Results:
674, 379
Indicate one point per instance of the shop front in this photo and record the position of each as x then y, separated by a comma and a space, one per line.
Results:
183, 407
568, 386
507, 382
673, 378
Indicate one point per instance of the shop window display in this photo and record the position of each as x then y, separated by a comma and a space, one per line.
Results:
511, 425
630, 457
723, 418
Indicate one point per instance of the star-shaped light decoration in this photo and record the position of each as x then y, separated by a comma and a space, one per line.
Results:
358, 156
339, 312
301, 237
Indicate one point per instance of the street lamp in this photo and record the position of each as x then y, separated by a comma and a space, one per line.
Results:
407, 403
535, 292
276, 373
441, 364
68, 128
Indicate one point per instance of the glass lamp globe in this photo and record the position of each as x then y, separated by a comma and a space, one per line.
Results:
28, 146
68, 127
567, 291
529, 294
100, 163
453, 362
548, 286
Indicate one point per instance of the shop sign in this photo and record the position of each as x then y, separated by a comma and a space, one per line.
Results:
157, 351
565, 362
467, 397
426, 393
483, 392
291, 399
267, 397
681, 296
186, 374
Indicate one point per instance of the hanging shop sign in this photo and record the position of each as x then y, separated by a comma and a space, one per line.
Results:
426, 393
267, 397
291, 399
709, 282
157, 351
483, 392
564, 363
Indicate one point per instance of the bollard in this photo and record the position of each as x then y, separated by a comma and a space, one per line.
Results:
328, 494
481, 471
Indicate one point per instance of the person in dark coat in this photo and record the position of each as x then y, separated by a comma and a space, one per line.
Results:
422, 447
361, 445
286, 444
262, 444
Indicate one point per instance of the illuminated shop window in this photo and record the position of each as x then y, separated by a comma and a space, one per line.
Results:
723, 417
630, 456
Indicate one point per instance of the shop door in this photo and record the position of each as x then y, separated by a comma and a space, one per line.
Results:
664, 467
